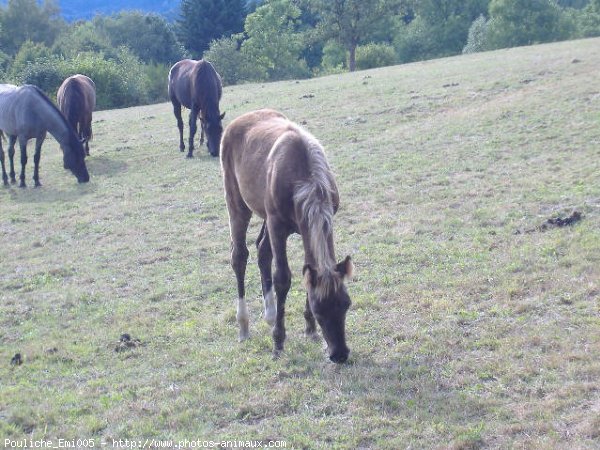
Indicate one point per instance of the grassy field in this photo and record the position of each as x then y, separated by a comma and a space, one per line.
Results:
473, 325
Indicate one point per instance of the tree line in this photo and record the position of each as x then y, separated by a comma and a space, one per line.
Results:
129, 54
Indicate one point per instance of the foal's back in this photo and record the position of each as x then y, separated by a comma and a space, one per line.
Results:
264, 157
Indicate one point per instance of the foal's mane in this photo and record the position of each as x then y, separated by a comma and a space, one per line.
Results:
315, 198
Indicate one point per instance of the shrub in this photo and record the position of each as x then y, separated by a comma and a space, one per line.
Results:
334, 57
232, 64
375, 55
477, 40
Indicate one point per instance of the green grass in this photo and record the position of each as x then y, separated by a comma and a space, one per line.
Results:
466, 330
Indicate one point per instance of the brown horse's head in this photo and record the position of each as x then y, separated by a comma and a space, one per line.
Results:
214, 130
329, 301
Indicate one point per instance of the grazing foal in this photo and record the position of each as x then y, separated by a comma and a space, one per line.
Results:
275, 169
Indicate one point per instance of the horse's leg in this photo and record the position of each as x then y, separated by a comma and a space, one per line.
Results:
238, 223
177, 112
265, 257
36, 161
193, 128
23, 146
12, 140
4, 175
201, 132
282, 280
311, 329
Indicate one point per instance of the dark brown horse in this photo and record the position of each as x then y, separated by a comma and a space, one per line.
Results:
197, 86
275, 169
76, 99
26, 113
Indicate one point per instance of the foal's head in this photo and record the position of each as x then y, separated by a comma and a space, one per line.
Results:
329, 301
214, 131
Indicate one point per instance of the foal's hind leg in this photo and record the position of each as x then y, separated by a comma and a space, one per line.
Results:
4, 175
265, 258
177, 112
239, 218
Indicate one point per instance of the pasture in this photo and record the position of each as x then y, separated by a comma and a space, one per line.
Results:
475, 323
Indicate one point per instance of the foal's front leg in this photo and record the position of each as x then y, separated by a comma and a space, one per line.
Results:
265, 258
282, 280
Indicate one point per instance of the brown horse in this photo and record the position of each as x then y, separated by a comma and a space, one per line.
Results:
275, 169
76, 99
197, 86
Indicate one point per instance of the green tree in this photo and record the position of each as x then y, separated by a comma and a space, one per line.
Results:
476, 42
202, 21
82, 37
148, 36
232, 64
438, 28
352, 21
273, 41
524, 22
24, 20
587, 20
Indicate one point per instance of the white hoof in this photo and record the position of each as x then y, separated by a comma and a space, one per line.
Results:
270, 308
242, 318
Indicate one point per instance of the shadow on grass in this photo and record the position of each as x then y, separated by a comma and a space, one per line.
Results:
49, 193
101, 166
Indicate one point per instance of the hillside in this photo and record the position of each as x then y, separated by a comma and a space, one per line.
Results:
475, 316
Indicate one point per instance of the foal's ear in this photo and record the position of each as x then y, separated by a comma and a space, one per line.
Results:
222, 116
310, 276
345, 268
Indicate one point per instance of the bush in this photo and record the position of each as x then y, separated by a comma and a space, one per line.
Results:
524, 22
412, 42
477, 40
45, 73
119, 82
232, 64
334, 57
375, 55
157, 81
